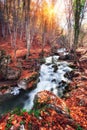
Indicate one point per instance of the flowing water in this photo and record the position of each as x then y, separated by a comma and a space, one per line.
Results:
51, 77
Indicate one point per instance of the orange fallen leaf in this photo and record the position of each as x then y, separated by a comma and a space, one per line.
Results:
2, 126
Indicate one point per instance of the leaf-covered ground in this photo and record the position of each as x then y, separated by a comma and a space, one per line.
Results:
50, 112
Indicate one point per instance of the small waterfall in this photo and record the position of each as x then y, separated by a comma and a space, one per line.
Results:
51, 74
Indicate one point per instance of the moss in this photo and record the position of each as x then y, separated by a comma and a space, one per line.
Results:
16, 111
22, 123
79, 127
42, 61
36, 112
8, 126
30, 125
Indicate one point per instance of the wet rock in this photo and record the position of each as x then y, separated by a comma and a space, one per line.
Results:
22, 84
28, 82
69, 75
71, 65
62, 57
67, 57
62, 88
55, 67
62, 84
54, 80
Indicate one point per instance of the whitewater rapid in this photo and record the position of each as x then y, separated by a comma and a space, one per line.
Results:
51, 75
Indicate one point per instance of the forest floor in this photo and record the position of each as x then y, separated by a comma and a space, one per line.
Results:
50, 112
27, 67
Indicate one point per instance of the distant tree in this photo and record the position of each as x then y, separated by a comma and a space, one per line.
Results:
75, 10
79, 10
3, 12
69, 19
27, 25
49, 26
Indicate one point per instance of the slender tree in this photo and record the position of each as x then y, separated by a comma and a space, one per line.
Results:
75, 10
78, 17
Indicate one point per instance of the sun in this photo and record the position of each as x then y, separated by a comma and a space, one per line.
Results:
51, 11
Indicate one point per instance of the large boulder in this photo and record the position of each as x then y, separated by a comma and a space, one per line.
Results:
56, 112
47, 97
